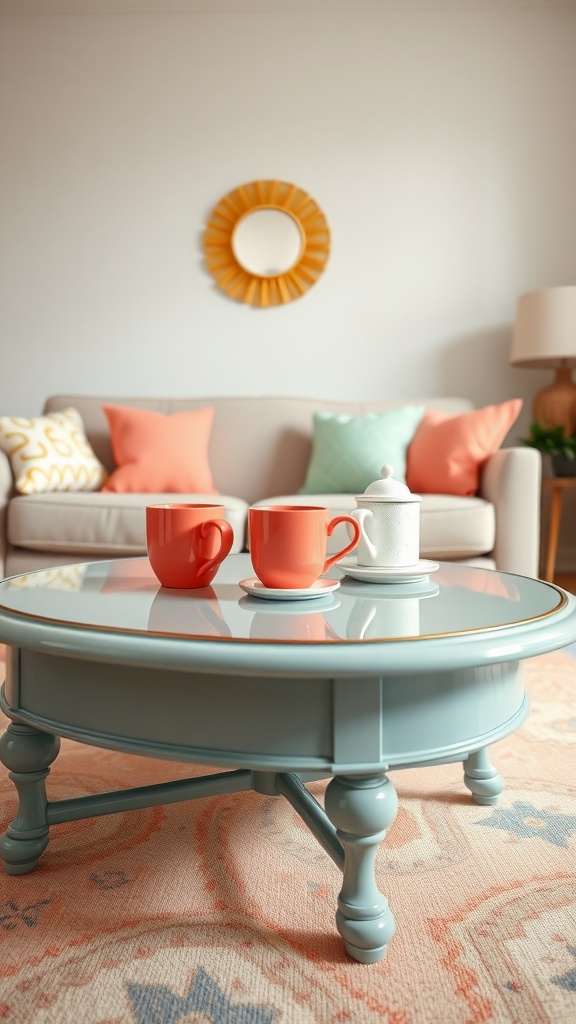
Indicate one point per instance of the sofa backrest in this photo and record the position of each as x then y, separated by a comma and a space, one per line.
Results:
259, 446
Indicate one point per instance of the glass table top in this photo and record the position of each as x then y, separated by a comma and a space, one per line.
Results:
124, 595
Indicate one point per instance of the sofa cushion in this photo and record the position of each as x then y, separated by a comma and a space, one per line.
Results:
348, 451
451, 527
50, 453
455, 527
100, 524
154, 452
259, 445
448, 452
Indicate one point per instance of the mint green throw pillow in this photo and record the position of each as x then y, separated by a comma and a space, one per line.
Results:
348, 452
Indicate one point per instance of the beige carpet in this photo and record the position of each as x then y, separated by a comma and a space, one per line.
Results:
221, 911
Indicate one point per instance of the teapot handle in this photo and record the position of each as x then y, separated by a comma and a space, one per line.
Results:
361, 514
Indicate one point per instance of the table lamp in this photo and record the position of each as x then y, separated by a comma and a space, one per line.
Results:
545, 335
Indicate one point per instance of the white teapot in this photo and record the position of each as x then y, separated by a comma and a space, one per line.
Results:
389, 518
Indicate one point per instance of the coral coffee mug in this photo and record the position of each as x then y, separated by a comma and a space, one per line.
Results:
288, 543
187, 543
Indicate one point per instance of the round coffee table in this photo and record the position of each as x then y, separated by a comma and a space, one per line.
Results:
367, 677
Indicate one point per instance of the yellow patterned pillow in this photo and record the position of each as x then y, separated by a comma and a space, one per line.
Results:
50, 453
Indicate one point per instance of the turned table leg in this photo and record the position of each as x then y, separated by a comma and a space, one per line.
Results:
362, 808
27, 753
482, 779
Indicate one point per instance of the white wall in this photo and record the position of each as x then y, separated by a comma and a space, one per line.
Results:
439, 142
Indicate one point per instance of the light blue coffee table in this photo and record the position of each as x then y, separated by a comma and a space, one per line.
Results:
365, 679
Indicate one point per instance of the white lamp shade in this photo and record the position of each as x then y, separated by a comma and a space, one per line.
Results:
545, 328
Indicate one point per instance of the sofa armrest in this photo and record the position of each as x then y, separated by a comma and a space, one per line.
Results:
511, 480
6, 492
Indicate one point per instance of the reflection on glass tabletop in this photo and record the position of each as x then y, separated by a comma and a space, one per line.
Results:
124, 595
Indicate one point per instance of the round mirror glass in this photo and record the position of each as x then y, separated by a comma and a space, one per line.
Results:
267, 242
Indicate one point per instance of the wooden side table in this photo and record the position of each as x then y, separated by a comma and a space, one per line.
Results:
557, 485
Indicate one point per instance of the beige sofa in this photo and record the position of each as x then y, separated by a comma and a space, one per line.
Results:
259, 452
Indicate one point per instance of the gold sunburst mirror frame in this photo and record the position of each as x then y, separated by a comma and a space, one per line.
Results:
306, 253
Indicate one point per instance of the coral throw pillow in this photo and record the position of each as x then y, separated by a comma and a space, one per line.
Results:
448, 452
50, 453
155, 453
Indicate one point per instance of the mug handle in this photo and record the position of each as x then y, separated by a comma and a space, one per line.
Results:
201, 532
350, 547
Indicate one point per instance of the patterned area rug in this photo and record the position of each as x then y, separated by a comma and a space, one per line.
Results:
221, 911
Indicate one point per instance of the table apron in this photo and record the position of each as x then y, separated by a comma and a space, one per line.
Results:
337, 725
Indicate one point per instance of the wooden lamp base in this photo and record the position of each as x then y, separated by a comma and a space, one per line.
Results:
555, 405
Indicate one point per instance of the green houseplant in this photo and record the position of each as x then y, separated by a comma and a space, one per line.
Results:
553, 441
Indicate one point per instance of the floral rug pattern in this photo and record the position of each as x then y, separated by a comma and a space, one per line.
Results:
221, 911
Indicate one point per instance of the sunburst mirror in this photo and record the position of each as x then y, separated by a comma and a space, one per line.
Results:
266, 243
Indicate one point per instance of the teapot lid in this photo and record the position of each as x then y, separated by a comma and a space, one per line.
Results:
388, 489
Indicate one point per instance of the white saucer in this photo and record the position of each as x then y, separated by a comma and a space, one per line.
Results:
321, 588
383, 574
